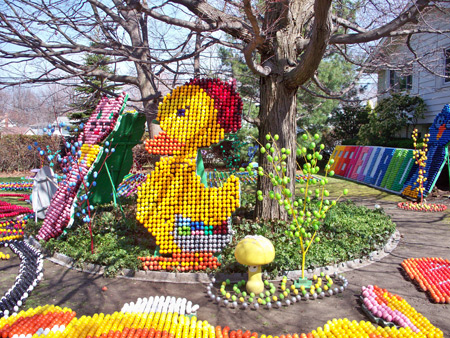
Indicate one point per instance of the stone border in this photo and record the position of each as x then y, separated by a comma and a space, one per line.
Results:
194, 278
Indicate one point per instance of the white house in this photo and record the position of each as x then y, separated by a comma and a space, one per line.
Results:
419, 66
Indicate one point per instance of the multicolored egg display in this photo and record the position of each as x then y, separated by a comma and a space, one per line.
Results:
8, 210
394, 310
12, 229
183, 215
77, 165
395, 169
432, 274
169, 317
16, 186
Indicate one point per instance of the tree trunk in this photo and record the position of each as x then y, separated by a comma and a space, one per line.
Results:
285, 22
277, 115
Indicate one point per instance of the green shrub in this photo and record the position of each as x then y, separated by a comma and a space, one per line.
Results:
348, 232
118, 240
350, 142
389, 117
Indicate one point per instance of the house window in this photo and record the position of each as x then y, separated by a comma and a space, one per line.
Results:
447, 65
398, 82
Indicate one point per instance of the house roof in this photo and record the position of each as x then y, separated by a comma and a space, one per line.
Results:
17, 131
5, 120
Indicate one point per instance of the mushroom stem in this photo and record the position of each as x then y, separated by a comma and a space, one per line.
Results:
254, 283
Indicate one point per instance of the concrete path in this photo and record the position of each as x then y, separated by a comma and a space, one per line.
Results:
423, 235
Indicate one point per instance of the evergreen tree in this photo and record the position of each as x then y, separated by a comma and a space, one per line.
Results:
89, 93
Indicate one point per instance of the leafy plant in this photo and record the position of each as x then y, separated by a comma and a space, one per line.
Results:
119, 241
347, 121
348, 232
389, 117
309, 209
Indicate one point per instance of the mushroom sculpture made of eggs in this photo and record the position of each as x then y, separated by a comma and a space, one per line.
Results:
190, 221
254, 251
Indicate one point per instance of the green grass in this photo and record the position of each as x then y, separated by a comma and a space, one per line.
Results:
12, 179
337, 184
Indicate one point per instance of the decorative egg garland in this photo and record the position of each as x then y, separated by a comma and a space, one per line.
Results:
425, 207
4, 257
16, 186
169, 317
184, 262
389, 309
10, 210
21, 197
30, 274
77, 164
130, 184
275, 297
432, 275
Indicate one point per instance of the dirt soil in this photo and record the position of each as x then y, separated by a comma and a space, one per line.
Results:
422, 235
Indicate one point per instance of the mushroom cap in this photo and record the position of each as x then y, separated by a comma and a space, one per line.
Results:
254, 250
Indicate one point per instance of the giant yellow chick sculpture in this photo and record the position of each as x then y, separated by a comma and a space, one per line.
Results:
189, 221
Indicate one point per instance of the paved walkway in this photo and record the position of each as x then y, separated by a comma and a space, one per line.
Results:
423, 235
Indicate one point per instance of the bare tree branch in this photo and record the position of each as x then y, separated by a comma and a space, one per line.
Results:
313, 53
256, 42
388, 29
418, 59
347, 24
255, 121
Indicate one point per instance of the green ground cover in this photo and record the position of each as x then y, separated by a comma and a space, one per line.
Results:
349, 232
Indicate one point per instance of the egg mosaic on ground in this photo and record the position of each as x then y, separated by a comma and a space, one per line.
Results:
274, 295
191, 224
431, 274
171, 317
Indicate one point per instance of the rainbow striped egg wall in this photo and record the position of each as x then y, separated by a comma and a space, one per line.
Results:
393, 169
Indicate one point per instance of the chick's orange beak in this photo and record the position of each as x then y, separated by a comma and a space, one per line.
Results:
441, 131
163, 144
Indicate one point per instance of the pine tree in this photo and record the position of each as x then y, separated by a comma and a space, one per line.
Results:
89, 93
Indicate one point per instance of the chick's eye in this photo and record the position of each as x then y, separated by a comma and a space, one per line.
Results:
439, 121
181, 112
